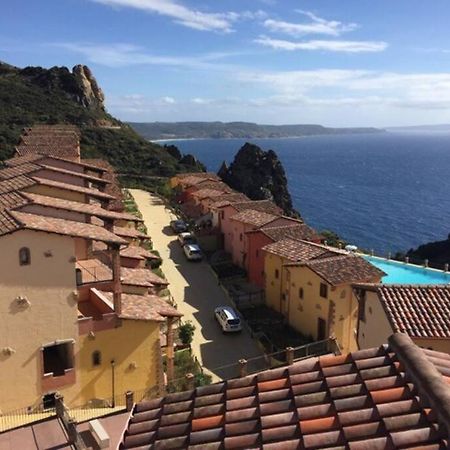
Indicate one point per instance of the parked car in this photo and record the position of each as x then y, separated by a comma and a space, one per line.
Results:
186, 238
228, 319
178, 226
193, 252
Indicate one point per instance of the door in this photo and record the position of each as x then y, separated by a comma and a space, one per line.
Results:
321, 329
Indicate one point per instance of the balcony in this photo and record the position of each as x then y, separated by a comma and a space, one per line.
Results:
57, 362
95, 313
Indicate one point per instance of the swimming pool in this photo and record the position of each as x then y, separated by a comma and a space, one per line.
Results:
402, 273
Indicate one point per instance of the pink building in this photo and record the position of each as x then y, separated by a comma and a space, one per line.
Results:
268, 234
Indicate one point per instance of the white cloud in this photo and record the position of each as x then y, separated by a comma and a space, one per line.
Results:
168, 100
188, 17
325, 45
317, 25
125, 55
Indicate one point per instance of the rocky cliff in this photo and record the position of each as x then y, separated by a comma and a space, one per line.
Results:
260, 175
90, 94
437, 253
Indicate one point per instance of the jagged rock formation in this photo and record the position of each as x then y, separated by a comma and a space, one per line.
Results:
437, 253
223, 170
91, 96
259, 175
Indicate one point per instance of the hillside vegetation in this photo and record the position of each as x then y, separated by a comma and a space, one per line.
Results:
57, 95
243, 130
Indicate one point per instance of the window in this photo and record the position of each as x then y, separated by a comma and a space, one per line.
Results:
58, 358
96, 358
222, 214
277, 273
78, 277
300, 293
257, 253
323, 290
24, 256
240, 237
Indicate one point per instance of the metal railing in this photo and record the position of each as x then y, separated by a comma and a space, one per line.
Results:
24, 416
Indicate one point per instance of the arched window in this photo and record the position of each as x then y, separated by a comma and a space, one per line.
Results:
300, 292
78, 277
24, 256
96, 358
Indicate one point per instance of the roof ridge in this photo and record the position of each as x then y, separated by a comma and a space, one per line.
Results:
424, 374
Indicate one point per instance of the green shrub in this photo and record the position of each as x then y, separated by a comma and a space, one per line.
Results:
186, 332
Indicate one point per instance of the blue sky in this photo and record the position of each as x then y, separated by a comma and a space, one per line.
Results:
333, 62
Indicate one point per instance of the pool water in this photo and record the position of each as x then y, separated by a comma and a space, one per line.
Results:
402, 273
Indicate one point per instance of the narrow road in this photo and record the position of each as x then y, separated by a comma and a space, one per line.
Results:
197, 293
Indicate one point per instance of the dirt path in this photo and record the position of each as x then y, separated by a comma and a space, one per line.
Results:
197, 293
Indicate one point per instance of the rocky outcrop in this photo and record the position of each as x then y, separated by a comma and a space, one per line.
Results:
91, 96
259, 175
437, 253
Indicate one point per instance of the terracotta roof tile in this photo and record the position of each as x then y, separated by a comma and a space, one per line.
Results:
299, 231
85, 176
345, 269
12, 200
214, 185
253, 217
265, 206
15, 184
144, 307
207, 193
133, 251
71, 187
85, 208
8, 223
130, 232
265, 411
141, 277
299, 251
65, 227
419, 311
15, 171
227, 199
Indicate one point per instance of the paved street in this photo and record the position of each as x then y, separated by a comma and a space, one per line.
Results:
197, 293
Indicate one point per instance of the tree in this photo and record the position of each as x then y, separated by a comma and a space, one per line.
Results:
186, 332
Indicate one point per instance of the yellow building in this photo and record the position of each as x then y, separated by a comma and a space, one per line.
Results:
66, 324
422, 312
310, 284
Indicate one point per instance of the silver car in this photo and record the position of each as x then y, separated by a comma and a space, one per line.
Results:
193, 252
228, 319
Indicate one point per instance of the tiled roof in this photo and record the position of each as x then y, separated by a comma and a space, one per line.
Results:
71, 187
299, 251
19, 160
15, 171
216, 185
93, 270
141, 277
65, 227
133, 251
8, 223
130, 232
51, 149
381, 398
266, 206
344, 269
145, 307
227, 199
16, 183
300, 231
253, 217
207, 192
200, 175
418, 311
85, 208
76, 174
12, 200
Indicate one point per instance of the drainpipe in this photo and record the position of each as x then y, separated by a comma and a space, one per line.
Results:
117, 285
169, 349
113, 364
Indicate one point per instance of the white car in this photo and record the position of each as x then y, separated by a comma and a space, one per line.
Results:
186, 238
192, 252
228, 319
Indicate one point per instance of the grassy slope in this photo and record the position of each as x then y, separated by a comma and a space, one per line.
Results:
35, 95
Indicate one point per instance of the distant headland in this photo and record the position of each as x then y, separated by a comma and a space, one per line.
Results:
242, 130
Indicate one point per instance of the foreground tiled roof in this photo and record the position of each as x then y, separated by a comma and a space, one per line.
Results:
141, 277
382, 398
72, 187
85, 208
15, 184
418, 311
253, 217
266, 206
65, 227
299, 251
300, 231
145, 307
12, 200
133, 251
345, 269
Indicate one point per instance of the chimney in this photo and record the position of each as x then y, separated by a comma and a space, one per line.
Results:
117, 285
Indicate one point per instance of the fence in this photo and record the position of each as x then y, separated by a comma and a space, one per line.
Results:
24, 416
